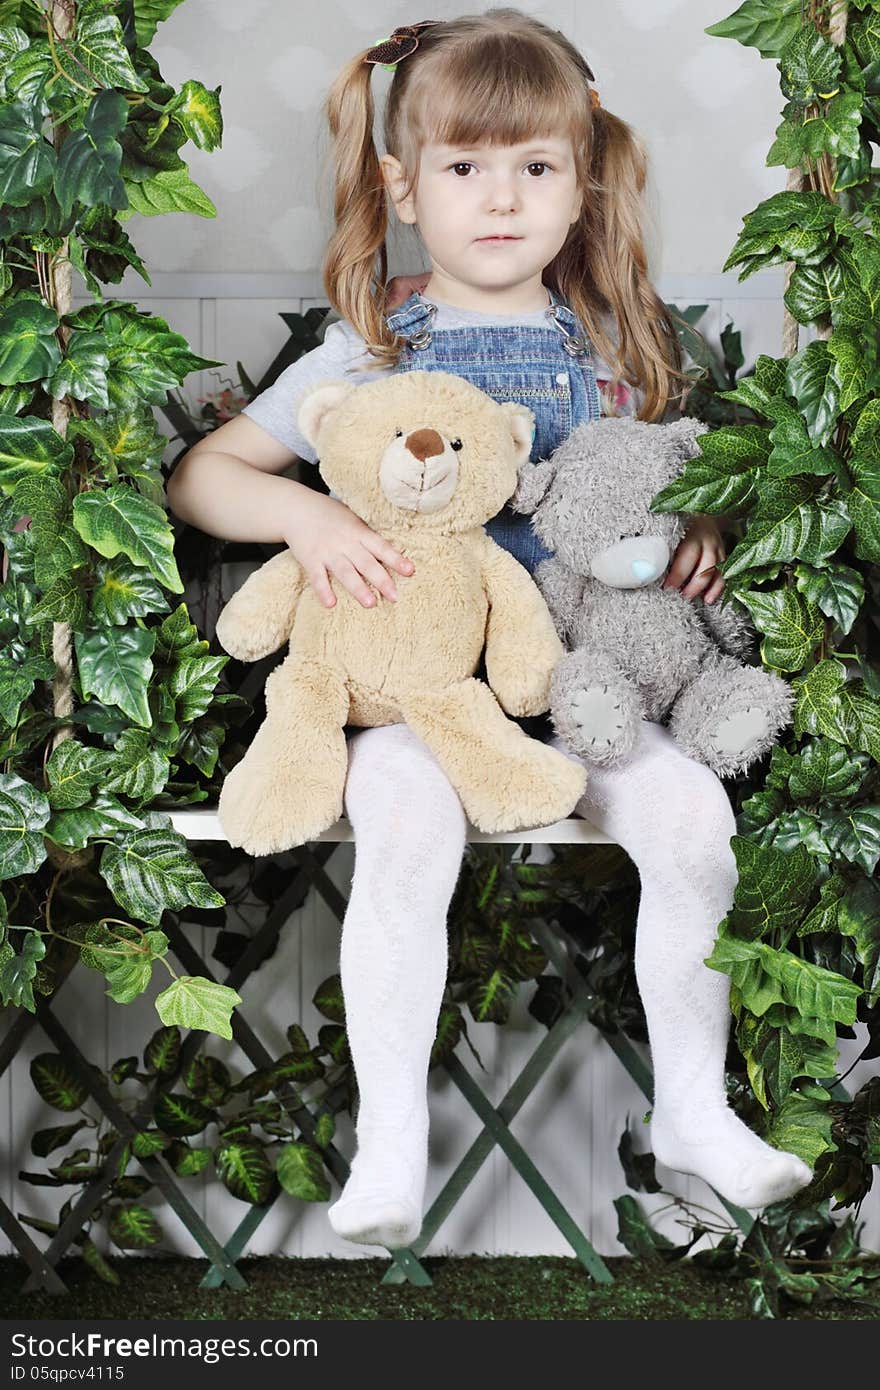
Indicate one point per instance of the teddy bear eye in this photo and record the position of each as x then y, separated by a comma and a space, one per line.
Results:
398, 433
455, 444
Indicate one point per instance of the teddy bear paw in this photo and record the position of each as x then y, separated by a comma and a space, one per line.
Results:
598, 716
736, 735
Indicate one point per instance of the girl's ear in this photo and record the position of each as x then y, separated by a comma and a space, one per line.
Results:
317, 404
521, 423
392, 174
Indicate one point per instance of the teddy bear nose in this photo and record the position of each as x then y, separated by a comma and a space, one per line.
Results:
424, 444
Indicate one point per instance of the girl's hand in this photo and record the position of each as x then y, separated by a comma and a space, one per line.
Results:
402, 286
694, 565
329, 540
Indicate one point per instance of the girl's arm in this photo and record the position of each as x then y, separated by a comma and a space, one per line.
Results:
227, 485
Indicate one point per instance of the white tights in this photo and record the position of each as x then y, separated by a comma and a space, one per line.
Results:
673, 817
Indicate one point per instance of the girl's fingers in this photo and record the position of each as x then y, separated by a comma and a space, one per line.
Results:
715, 589
349, 577
702, 577
320, 582
684, 562
384, 551
376, 574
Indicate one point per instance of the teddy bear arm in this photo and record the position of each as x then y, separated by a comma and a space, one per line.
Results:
522, 645
258, 619
563, 592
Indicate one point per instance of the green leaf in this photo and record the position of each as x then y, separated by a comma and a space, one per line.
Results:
100, 47
134, 769
815, 291
827, 704
825, 771
119, 519
835, 589
124, 591
104, 817
56, 1082
864, 506
24, 812
847, 350
757, 391
244, 1169
301, 1173
194, 1002
809, 67
178, 1114
635, 1232
328, 1000
721, 478
133, 1227
794, 452
812, 379
115, 665
148, 14
162, 1052
46, 1141
772, 890
29, 447
171, 190
198, 112
82, 372
90, 157
27, 159
17, 973
858, 916
855, 835
790, 523
792, 628
151, 871
803, 1127
192, 683
72, 771
768, 25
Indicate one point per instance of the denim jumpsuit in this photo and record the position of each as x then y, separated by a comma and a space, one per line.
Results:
550, 370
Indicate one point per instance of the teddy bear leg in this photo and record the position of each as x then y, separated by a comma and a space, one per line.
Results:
730, 715
288, 786
596, 710
506, 780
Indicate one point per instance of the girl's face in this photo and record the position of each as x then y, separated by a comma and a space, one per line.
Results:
526, 194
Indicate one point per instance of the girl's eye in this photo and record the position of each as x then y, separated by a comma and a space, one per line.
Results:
455, 444
534, 164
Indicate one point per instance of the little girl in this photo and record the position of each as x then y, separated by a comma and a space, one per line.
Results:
526, 195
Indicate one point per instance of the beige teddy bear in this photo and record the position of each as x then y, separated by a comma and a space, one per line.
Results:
425, 458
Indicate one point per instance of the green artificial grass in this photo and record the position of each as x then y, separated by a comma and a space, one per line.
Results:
464, 1287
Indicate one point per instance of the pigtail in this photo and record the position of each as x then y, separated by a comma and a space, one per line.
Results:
603, 270
356, 262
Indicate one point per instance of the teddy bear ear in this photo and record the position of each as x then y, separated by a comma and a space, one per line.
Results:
684, 433
316, 405
521, 422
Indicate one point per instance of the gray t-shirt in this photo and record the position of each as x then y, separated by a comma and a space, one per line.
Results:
343, 349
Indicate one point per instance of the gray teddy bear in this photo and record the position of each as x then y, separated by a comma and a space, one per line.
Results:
636, 650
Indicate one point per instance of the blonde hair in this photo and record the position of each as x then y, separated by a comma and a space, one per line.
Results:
501, 78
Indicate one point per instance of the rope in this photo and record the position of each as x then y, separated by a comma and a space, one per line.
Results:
62, 15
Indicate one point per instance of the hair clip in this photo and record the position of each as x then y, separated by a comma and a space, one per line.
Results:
404, 41
594, 98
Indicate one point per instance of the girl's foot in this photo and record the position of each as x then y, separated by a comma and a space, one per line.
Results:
719, 1148
382, 1200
